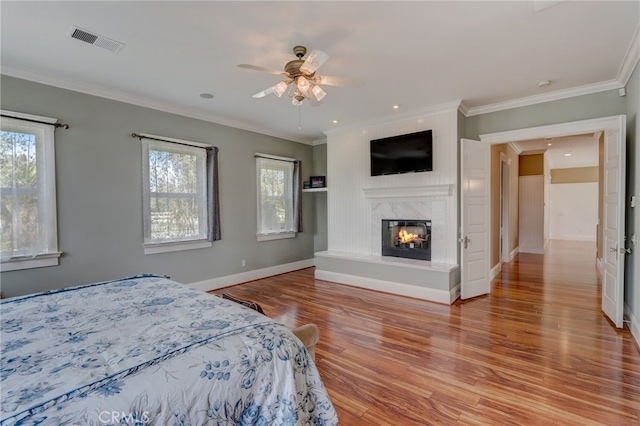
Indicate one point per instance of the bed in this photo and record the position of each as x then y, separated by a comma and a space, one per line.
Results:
146, 350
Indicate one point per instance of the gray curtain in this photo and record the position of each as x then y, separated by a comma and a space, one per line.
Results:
297, 196
213, 195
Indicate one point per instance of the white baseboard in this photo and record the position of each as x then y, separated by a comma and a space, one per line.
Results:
634, 324
513, 253
495, 271
256, 274
440, 296
579, 237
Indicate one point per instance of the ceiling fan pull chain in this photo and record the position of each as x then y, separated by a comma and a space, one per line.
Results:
299, 114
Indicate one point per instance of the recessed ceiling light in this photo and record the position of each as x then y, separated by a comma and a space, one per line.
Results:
544, 83
206, 95
396, 106
335, 121
549, 144
568, 154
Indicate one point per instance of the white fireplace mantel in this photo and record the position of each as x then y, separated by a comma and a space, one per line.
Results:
409, 191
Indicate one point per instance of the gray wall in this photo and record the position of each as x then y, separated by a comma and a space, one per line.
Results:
98, 172
320, 231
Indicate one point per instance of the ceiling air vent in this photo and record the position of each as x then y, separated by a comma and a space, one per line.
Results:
95, 39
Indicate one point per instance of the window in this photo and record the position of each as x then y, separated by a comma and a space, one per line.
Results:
28, 227
278, 184
178, 196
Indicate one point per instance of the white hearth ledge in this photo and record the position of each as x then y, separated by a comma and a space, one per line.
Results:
409, 191
437, 282
390, 260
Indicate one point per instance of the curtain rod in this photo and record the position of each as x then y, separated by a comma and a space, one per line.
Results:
139, 136
274, 157
56, 125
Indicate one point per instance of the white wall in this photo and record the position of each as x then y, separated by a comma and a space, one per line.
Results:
351, 214
574, 211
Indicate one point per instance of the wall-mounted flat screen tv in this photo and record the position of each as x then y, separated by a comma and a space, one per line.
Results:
402, 154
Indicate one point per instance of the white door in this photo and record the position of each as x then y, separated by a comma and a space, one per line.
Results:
614, 223
475, 175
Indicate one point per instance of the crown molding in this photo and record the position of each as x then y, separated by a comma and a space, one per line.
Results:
464, 108
409, 115
516, 147
319, 141
547, 97
146, 103
630, 59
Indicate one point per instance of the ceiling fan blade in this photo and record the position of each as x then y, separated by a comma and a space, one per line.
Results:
338, 81
262, 69
264, 93
313, 61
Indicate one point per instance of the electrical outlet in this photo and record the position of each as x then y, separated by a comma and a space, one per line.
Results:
244, 262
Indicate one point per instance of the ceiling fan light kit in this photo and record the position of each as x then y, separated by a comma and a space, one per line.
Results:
318, 93
302, 82
280, 88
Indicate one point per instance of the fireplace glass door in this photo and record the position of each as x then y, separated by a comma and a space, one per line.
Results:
410, 239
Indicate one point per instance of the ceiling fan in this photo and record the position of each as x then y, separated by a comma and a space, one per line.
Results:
302, 82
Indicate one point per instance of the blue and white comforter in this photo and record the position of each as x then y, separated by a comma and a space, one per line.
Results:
149, 351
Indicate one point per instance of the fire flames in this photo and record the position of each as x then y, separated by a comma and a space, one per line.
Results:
407, 237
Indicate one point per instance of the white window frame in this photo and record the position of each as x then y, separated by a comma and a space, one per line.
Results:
48, 254
174, 145
271, 235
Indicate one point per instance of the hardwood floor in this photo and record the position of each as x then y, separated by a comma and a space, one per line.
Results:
537, 350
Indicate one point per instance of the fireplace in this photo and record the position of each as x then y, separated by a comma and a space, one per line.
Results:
406, 238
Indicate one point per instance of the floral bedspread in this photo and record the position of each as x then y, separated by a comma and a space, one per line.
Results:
149, 351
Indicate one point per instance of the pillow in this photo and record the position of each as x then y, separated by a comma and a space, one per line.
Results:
247, 303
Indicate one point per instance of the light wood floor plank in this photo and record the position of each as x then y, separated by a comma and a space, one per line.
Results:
537, 350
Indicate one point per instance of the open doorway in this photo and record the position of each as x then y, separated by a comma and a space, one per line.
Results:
540, 194
567, 181
612, 201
